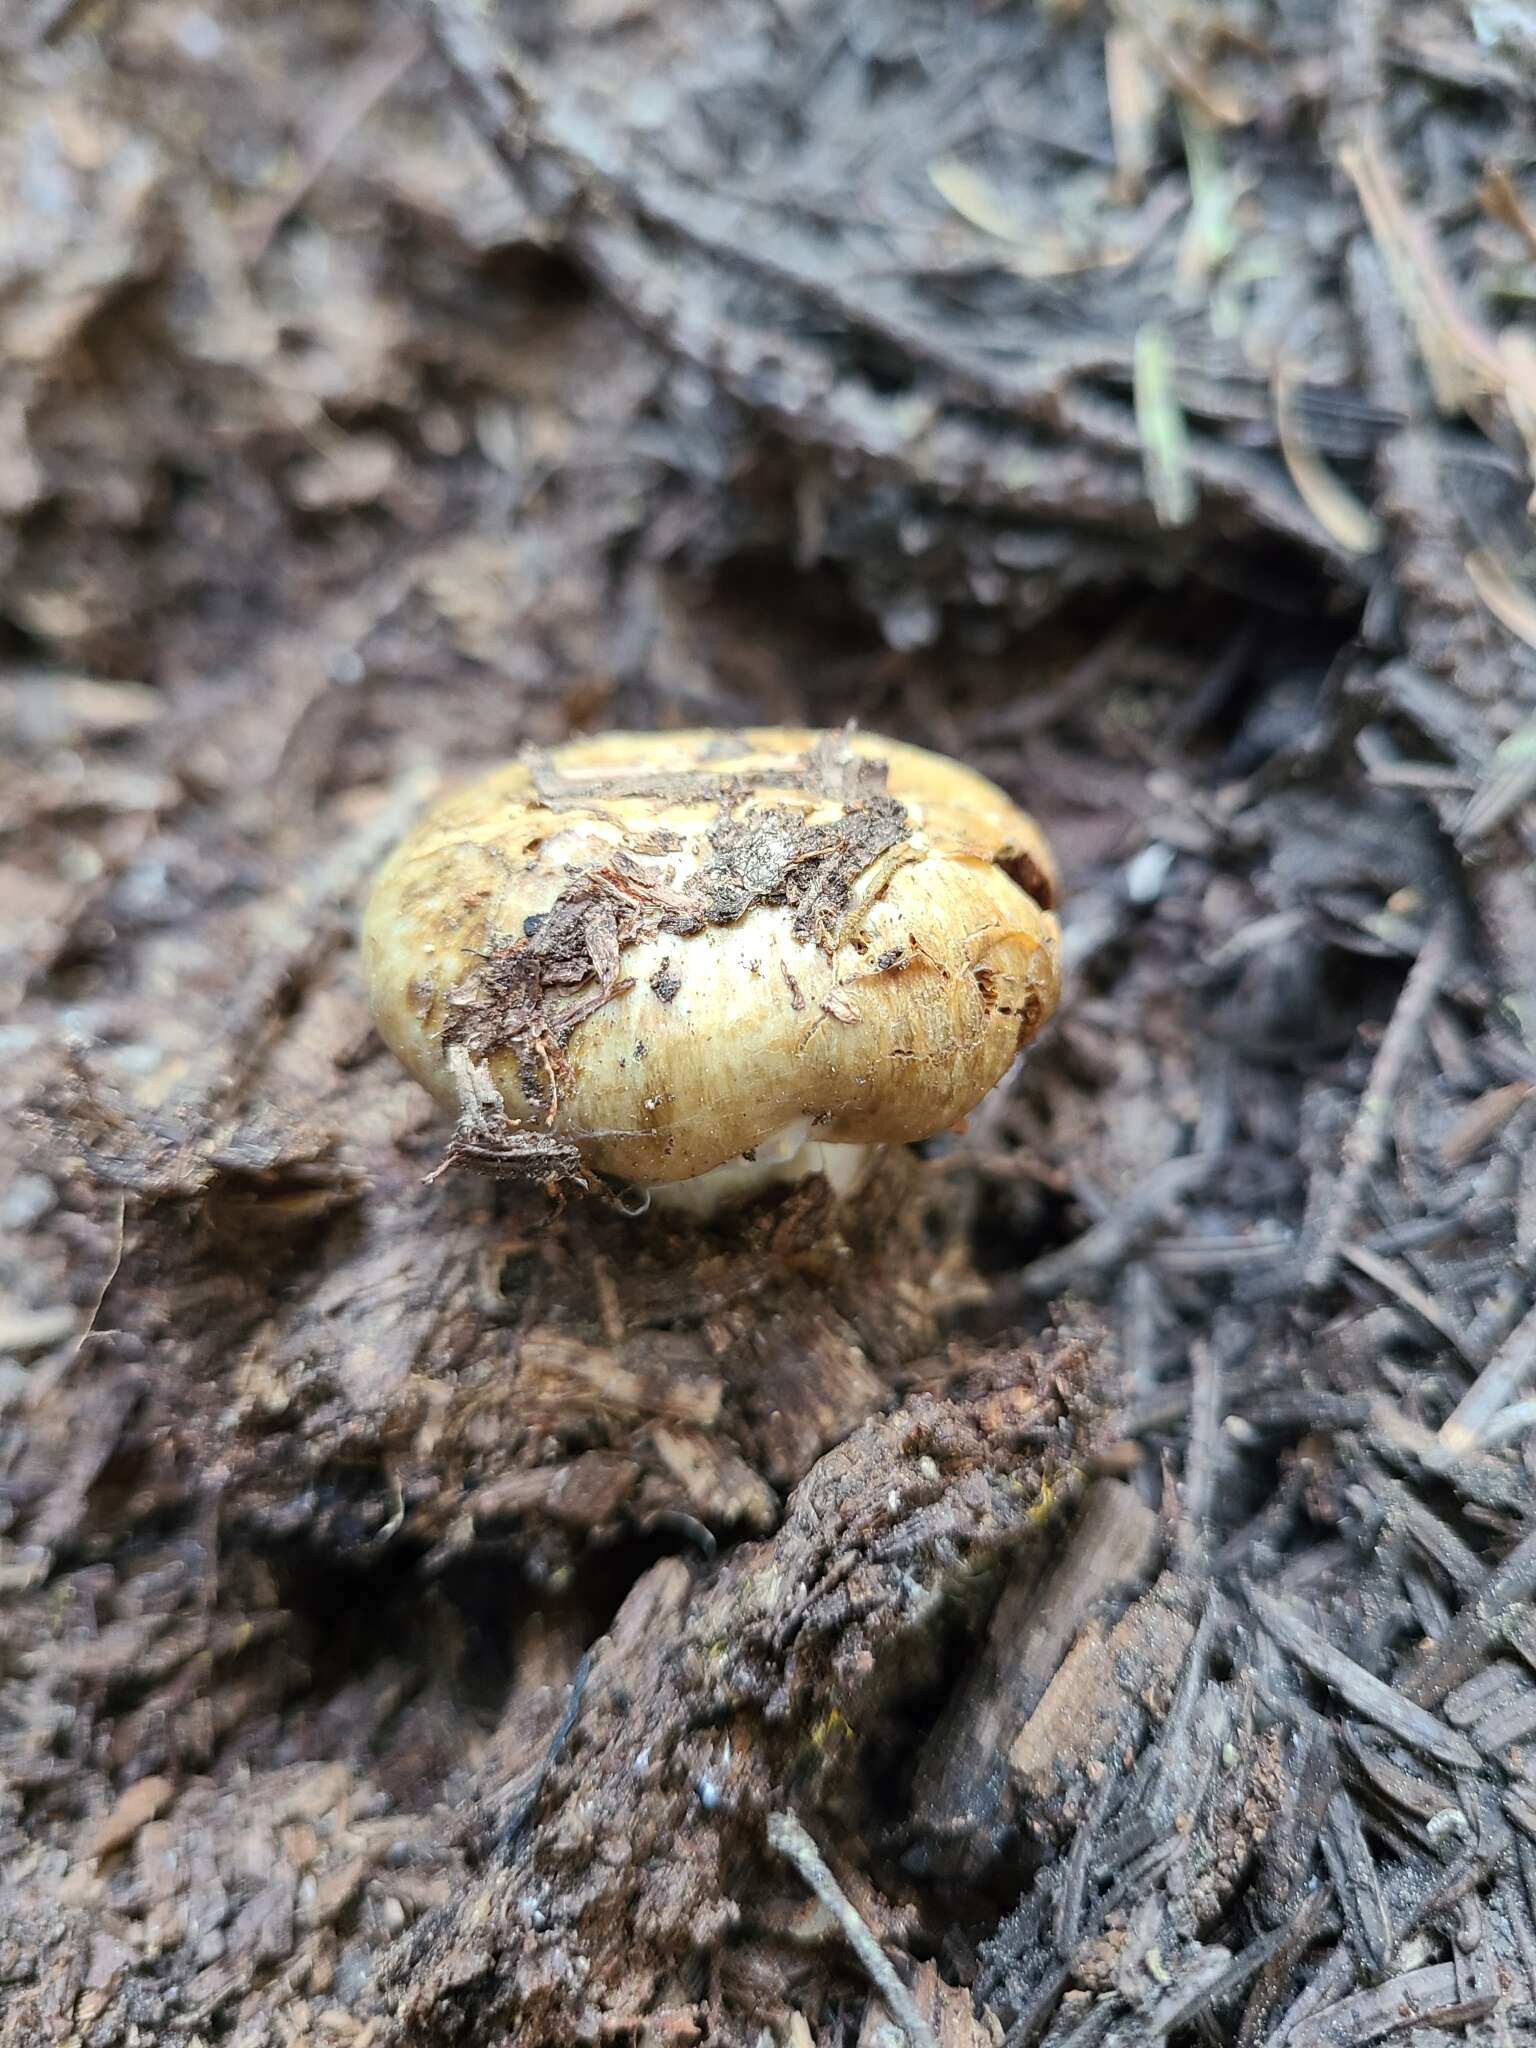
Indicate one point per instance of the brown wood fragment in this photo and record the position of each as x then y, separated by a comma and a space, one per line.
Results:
959, 1793
142, 1803
1110, 1679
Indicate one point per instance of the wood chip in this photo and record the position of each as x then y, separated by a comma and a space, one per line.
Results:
144, 1801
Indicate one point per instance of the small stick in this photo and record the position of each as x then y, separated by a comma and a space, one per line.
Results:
1369, 1697
791, 1840
1367, 1135
1200, 1459
1495, 1386
528, 1805
344, 109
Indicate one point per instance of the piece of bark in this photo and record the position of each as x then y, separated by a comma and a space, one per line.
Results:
960, 1794
1100, 1698
393, 1372
778, 1679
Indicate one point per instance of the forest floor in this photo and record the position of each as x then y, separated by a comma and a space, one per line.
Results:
1085, 1595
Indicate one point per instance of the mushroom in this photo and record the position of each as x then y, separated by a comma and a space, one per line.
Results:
701, 963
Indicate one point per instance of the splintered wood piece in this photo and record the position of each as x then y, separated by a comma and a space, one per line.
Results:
1103, 1691
960, 1789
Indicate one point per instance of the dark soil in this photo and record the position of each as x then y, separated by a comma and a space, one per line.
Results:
1082, 1596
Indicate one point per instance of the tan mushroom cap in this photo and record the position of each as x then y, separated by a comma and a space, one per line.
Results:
670, 947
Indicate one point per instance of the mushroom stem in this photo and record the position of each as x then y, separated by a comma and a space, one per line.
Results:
790, 1155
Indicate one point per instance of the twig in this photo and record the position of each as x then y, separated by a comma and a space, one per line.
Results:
1397, 1283
1201, 1458
1462, 1648
114, 1265
1364, 1692
1357, 1884
1500, 1379
1512, 1423
791, 1840
1363, 1146
346, 105
1107, 1243
1462, 359
522, 1813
